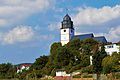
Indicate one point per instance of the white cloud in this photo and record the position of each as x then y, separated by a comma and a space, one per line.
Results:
113, 34
2, 22
92, 16
18, 34
23, 34
12, 11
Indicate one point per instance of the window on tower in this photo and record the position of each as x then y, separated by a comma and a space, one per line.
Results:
64, 30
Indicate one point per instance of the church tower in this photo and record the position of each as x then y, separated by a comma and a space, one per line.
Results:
67, 30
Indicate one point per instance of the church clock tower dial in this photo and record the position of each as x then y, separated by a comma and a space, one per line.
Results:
67, 30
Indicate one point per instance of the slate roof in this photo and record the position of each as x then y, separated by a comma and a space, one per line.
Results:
67, 23
84, 36
67, 18
101, 39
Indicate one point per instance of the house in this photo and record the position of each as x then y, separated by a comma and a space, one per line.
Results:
111, 48
62, 75
23, 66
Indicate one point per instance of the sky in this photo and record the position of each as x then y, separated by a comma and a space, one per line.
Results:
29, 27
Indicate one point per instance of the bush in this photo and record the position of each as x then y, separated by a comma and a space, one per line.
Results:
77, 76
53, 72
88, 69
87, 76
77, 67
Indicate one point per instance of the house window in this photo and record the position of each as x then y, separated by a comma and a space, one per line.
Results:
64, 30
110, 46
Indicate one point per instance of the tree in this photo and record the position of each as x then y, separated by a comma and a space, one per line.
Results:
37, 68
118, 43
85, 60
53, 52
63, 57
51, 61
73, 47
7, 70
74, 44
39, 63
111, 64
88, 46
98, 56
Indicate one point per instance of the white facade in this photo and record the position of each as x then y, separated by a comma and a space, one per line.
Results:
62, 73
22, 68
112, 48
66, 35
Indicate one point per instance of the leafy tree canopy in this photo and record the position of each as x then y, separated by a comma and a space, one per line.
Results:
39, 63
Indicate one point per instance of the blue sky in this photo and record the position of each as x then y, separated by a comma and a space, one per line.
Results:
29, 27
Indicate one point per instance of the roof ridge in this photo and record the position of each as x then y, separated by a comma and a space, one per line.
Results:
99, 36
84, 34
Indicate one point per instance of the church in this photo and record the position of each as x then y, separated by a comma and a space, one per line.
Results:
67, 32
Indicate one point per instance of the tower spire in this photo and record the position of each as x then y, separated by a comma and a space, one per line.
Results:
67, 30
67, 23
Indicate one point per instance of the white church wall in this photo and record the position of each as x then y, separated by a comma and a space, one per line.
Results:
66, 35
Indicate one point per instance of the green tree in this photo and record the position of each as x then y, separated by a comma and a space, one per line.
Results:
85, 60
53, 52
73, 47
7, 70
87, 46
51, 64
111, 64
39, 63
74, 44
98, 56
63, 57
37, 68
